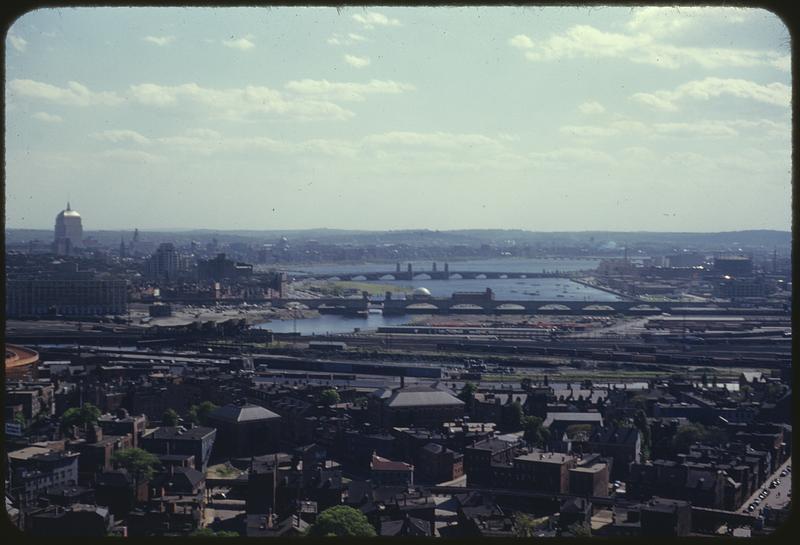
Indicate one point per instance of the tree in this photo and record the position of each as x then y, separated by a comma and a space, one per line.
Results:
198, 414
643, 425
467, 394
580, 530
516, 414
83, 416
170, 418
687, 435
208, 532
773, 392
535, 432
341, 521
329, 397
139, 463
525, 525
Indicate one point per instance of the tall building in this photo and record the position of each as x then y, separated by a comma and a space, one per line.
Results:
68, 232
164, 264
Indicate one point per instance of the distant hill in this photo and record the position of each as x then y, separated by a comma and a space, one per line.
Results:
749, 238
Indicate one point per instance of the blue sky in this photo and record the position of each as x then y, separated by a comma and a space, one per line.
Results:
545, 119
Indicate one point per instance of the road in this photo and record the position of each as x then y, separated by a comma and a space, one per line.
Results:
779, 496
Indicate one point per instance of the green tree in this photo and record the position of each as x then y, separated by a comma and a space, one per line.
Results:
83, 416
170, 418
341, 521
329, 397
198, 414
580, 530
687, 435
516, 414
467, 394
643, 425
208, 532
535, 432
773, 392
525, 525
139, 463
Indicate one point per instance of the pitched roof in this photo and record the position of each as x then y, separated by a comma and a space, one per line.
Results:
615, 435
422, 396
243, 413
384, 464
572, 417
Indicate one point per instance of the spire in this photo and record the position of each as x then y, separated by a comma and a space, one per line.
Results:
68, 208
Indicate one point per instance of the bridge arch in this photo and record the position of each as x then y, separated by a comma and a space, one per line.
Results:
387, 277
421, 306
503, 276
480, 276
553, 306
359, 278
456, 276
333, 279
510, 306
598, 307
422, 276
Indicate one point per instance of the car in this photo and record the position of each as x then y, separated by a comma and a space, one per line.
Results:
772, 484
751, 508
777, 482
756, 501
783, 473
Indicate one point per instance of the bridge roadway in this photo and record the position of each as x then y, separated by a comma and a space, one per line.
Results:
482, 304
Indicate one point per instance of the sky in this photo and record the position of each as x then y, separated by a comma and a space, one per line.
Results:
537, 118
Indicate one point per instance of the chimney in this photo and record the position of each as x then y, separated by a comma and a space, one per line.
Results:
402, 381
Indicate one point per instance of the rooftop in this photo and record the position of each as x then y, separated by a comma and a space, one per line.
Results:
243, 413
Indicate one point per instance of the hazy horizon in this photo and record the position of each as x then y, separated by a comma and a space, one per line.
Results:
543, 119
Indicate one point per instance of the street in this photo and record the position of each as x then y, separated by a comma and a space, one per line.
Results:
779, 496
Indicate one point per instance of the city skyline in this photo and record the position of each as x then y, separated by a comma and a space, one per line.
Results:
542, 119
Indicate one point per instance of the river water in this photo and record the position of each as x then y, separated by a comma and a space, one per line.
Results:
532, 289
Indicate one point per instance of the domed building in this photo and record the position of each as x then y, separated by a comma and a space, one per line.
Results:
68, 232
421, 293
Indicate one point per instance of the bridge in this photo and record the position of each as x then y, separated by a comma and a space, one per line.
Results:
436, 274
484, 303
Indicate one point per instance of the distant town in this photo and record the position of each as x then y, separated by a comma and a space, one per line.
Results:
461, 384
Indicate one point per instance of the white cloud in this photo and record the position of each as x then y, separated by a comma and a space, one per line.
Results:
47, 118
120, 135
520, 41
776, 94
654, 101
17, 42
131, 156
346, 39
358, 62
242, 44
588, 130
703, 128
587, 42
591, 107
347, 91
238, 103
74, 94
665, 21
372, 19
159, 40
566, 158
